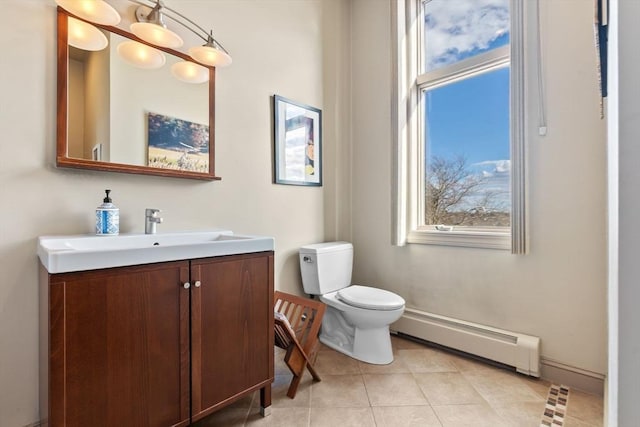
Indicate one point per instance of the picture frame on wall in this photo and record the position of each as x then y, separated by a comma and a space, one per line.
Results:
297, 143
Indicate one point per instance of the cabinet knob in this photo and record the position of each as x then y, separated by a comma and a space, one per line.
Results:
186, 285
197, 283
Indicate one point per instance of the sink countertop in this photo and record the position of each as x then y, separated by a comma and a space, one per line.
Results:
62, 254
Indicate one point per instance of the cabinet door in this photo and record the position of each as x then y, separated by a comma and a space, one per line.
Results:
119, 347
232, 329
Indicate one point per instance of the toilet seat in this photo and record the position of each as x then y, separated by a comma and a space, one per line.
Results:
370, 298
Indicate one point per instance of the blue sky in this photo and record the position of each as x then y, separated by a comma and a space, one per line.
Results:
469, 117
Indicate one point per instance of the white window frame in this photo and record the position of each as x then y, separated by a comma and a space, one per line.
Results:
407, 21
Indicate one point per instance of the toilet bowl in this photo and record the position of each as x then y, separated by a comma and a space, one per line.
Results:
357, 318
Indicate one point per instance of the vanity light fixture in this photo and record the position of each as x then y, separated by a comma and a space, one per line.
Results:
85, 36
212, 53
151, 27
140, 55
190, 72
97, 11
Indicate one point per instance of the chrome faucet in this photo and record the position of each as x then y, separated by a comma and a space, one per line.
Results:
151, 218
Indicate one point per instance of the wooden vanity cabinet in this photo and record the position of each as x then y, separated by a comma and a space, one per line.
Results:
134, 346
232, 331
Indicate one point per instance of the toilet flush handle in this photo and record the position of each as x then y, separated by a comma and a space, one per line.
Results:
307, 259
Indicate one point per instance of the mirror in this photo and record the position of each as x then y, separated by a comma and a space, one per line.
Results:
113, 116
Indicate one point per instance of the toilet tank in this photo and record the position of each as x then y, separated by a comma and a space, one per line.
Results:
326, 267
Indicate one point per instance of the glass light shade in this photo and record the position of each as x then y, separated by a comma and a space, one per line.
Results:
157, 35
85, 36
97, 11
211, 56
190, 72
140, 55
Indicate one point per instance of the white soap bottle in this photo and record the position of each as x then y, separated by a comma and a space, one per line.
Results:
107, 218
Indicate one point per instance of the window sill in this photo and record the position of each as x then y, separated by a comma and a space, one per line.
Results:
466, 238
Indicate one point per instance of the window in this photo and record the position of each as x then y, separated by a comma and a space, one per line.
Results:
460, 147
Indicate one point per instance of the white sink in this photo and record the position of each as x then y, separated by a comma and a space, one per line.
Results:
61, 254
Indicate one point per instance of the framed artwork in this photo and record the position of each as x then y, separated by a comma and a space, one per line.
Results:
177, 144
297, 143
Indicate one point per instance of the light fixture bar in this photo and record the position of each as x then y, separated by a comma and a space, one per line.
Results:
207, 37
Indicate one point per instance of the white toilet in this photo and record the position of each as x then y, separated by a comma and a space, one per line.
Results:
357, 318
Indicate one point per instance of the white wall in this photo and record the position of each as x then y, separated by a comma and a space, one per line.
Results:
277, 48
558, 290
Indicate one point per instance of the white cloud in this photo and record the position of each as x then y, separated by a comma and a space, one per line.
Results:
494, 166
457, 27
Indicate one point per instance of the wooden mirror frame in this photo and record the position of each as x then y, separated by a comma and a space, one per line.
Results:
63, 160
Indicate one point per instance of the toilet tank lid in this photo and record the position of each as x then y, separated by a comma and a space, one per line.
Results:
318, 248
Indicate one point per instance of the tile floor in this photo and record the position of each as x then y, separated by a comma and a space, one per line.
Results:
424, 386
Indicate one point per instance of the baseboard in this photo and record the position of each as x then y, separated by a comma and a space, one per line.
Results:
577, 378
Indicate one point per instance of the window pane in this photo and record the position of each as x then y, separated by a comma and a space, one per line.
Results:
458, 29
467, 159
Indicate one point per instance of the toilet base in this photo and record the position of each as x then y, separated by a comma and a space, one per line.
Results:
367, 345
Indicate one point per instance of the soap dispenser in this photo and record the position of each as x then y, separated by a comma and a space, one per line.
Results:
107, 218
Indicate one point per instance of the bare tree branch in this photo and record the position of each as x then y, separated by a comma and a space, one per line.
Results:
454, 196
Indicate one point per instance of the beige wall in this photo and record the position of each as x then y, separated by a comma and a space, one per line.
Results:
75, 99
277, 48
558, 290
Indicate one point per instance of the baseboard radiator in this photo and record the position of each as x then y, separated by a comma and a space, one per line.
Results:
510, 348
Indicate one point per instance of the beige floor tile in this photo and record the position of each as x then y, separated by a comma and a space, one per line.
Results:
396, 367
226, 417
339, 391
338, 417
468, 364
586, 407
462, 392
279, 389
426, 360
538, 385
399, 343
481, 415
280, 417
405, 416
393, 390
575, 422
521, 414
500, 386
447, 388
335, 363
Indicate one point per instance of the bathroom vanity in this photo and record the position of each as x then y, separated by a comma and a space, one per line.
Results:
157, 343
